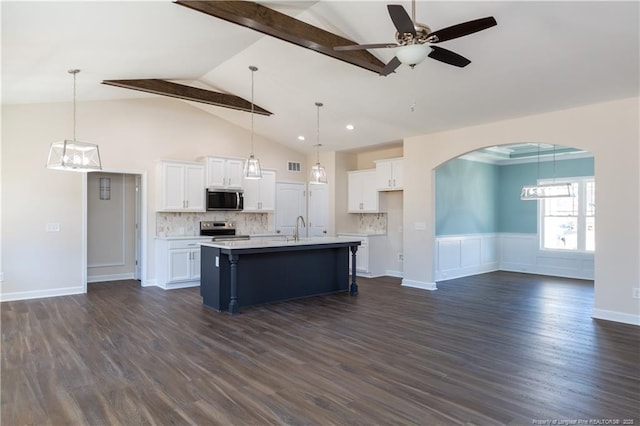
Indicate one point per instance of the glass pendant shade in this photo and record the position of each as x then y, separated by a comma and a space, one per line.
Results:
74, 156
546, 190
252, 168
550, 190
412, 54
318, 174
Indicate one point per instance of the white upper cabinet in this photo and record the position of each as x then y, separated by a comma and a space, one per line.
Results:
180, 186
260, 194
224, 173
389, 174
362, 192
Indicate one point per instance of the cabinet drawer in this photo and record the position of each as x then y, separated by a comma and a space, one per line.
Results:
185, 244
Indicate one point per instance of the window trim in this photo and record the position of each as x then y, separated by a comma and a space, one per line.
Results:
581, 216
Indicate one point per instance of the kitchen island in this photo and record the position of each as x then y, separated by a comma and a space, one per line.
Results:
243, 273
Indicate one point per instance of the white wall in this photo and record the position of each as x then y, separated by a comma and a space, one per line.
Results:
132, 135
609, 130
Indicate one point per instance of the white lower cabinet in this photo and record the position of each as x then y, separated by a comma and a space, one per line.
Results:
178, 263
370, 257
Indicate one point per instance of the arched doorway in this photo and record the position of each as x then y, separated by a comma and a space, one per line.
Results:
482, 224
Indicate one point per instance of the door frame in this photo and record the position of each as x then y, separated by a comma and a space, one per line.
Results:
142, 197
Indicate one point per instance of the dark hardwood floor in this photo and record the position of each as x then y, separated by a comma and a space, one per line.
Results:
499, 348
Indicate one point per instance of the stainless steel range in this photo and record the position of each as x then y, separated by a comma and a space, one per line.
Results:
220, 231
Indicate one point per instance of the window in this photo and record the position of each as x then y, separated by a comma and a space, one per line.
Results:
569, 223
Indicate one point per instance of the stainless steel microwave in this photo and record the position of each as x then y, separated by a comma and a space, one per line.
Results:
225, 199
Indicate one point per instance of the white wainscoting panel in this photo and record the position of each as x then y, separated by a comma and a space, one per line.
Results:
464, 255
522, 253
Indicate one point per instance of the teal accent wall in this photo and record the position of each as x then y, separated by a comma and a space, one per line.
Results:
517, 216
476, 198
466, 198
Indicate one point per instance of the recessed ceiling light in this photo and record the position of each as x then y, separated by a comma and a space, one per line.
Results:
300, 138
350, 127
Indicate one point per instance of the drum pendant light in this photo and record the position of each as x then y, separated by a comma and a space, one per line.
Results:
73, 155
252, 168
318, 172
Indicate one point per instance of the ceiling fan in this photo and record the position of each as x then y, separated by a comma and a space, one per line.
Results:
413, 39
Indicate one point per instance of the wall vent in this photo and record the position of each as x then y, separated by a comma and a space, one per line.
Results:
293, 166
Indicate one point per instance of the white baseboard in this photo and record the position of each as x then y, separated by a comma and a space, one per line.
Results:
396, 274
38, 294
616, 316
149, 283
110, 277
419, 284
180, 285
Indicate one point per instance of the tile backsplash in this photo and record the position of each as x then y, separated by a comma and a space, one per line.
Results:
372, 223
179, 224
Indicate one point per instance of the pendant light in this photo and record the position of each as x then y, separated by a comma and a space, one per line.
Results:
252, 168
547, 190
73, 155
318, 173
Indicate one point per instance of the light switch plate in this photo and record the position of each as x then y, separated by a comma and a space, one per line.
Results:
53, 227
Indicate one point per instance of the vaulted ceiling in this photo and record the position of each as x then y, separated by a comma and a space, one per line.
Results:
541, 56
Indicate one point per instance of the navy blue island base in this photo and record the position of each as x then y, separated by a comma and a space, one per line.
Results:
237, 274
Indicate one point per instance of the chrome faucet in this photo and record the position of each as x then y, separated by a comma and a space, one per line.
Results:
296, 233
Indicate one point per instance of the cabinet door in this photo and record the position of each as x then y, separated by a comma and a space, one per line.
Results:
268, 190
194, 188
318, 210
195, 264
354, 193
290, 203
369, 192
173, 176
397, 176
362, 258
384, 179
179, 265
216, 172
251, 194
234, 170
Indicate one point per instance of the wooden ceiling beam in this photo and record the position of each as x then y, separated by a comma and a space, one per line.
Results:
268, 21
189, 93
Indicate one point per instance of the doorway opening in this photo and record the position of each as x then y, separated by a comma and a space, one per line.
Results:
482, 224
115, 226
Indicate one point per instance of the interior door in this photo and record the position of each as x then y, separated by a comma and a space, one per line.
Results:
290, 203
318, 210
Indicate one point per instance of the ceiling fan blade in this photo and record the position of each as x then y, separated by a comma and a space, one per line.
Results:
365, 46
447, 56
463, 29
401, 19
391, 66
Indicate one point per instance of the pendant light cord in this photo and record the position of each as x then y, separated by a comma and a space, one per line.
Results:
74, 72
253, 70
318, 104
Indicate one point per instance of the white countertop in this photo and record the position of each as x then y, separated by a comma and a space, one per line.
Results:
360, 234
184, 237
262, 243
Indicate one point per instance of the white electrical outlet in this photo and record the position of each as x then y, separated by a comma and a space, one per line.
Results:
636, 293
400, 257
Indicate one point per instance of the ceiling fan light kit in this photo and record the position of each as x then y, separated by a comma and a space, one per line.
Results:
412, 54
414, 39
73, 155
